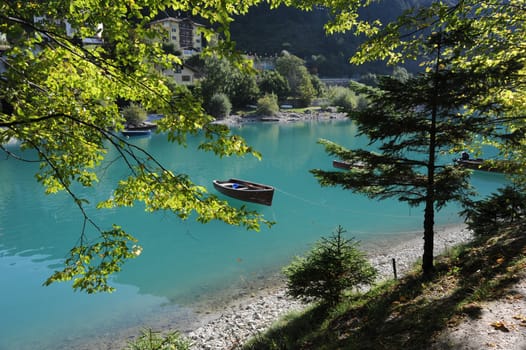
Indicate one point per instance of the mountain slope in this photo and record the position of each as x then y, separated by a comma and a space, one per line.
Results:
267, 32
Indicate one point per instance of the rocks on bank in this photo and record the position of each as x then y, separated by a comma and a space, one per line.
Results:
284, 117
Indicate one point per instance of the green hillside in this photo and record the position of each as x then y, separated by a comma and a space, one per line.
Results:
267, 32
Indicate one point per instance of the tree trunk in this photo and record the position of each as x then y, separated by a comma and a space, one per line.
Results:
429, 235
429, 211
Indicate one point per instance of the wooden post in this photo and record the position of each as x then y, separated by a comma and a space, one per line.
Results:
394, 268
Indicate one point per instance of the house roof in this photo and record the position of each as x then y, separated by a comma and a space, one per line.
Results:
174, 19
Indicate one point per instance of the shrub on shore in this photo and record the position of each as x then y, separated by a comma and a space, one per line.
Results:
334, 265
134, 114
150, 340
219, 106
268, 105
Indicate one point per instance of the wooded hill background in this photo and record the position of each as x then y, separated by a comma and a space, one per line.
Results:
268, 32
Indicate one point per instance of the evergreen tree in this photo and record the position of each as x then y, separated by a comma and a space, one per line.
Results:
410, 123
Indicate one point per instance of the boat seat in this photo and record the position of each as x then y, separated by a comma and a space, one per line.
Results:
236, 186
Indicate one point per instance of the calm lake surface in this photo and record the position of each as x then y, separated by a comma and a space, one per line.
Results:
182, 261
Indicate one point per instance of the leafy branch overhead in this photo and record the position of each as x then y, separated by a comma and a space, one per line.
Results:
62, 98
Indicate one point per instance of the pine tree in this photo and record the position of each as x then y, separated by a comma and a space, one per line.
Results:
410, 123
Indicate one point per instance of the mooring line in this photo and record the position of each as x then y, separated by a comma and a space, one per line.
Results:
324, 205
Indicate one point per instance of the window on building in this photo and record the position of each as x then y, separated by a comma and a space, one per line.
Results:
186, 78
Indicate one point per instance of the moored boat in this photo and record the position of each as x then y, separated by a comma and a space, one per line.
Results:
136, 132
245, 190
340, 164
497, 166
146, 125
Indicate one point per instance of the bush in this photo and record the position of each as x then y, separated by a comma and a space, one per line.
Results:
150, 340
487, 215
219, 106
334, 265
134, 114
268, 105
271, 82
344, 98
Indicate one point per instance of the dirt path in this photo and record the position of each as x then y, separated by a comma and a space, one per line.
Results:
498, 324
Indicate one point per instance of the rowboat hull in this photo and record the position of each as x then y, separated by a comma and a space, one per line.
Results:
246, 191
340, 164
476, 164
134, 132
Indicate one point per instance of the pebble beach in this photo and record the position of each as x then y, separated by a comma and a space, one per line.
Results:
231, 326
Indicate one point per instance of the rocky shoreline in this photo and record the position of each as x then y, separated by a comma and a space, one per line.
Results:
285, 117
230, 327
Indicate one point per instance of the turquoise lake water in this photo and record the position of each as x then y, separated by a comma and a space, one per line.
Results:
182, 260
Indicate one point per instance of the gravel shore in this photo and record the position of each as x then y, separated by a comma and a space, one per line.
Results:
252, 315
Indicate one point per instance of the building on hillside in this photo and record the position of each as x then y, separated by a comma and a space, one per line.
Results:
182, 34
184, 74
70, 32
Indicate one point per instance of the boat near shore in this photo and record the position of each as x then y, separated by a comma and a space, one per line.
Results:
496, 166
246, 191
134, 132
142, 129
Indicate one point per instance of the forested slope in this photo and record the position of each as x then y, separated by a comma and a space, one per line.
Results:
267, 32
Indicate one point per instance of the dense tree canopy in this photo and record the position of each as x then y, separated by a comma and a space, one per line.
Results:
64, 72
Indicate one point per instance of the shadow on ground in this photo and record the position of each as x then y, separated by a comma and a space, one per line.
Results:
410, 313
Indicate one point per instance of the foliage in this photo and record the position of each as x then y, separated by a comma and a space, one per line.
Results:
88, 265
271, 82
134, 114
411, 123
150, 340
471, 83
334, 265
294, 70
61, 98
268, 105
400, 73
370, 79
219, 106
343, 97
319, 86
222, 76
245, 90
503, 208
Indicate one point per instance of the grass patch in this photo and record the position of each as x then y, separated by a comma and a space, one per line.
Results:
409, 313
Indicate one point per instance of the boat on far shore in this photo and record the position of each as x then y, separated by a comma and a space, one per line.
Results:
246, 190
